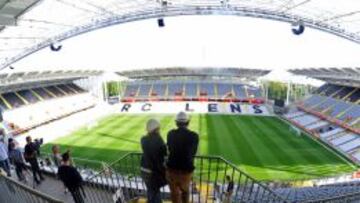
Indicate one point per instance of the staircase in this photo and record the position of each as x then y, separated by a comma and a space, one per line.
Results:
13, 191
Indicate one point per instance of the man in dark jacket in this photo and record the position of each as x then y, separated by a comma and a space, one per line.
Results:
30, 154
71, 178
182, 145
153, 161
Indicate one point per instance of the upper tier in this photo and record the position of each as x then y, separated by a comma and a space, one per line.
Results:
177, 90
16, 99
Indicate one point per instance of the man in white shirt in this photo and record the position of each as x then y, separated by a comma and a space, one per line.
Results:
4, 158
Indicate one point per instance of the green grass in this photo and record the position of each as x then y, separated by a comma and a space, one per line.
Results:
264, 147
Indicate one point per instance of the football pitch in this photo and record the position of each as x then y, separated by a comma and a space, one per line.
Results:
264, 147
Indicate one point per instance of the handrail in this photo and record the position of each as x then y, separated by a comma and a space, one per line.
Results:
123, 176
73, 158
233, 166
30, 190
242, 174
110, 165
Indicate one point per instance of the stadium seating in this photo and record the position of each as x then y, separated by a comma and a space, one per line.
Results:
224, 90
325, 105
40, 113
330, 90
351, 145
351, 114
355, 96
337, 102
42, 105
339, 107
343, 92
306, 119
13, 100
321, 89
254, 92
144, 91
347, 137
207, 89
158, 90
317, 125
313, 100
331, 132
356, 155
175, 89
66, 89
55, 91
335, 136
28, 96
3, 105
323, 192
76, 88
193, 90
41, 92
337, 111
294, 114
240, 91
131, 90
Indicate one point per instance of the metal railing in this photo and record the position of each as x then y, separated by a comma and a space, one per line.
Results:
208, 183
12, 191
120, 181
47, 162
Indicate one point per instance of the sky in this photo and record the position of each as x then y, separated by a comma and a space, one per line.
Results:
198, 41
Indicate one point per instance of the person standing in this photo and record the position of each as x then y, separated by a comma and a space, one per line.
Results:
57, 159
10, 140
182, 145
4, 156
71, 178
56, 156
17, 160
229, 189
30, 156
153, 161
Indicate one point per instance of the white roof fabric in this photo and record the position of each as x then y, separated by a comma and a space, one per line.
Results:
49, 21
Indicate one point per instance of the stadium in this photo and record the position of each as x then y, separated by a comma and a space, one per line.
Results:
279, 115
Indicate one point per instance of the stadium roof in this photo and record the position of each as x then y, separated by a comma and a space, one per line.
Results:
29, 25
343, 76
200, 72
21, 78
